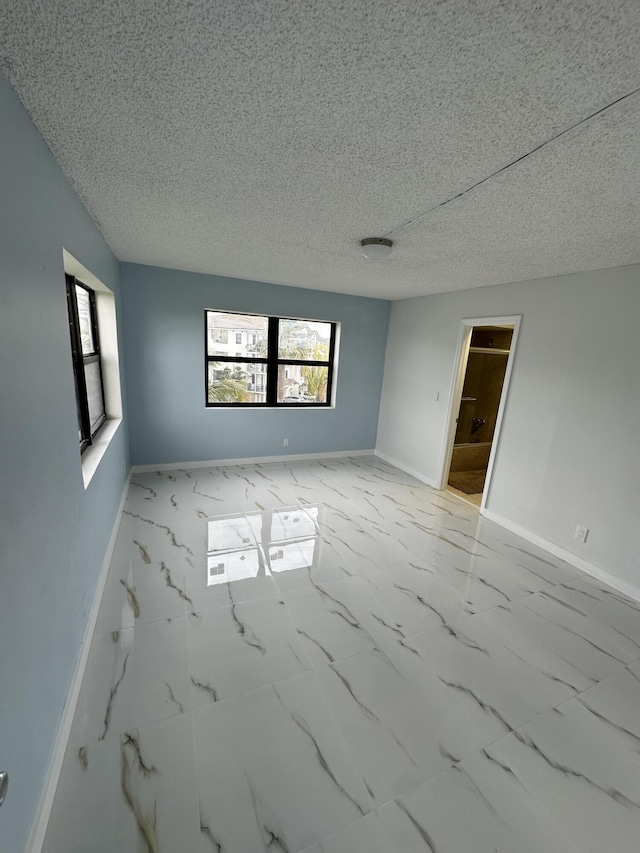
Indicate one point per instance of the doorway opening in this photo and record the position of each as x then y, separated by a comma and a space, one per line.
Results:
477, 405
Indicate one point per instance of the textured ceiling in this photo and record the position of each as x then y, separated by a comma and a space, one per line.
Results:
263, 139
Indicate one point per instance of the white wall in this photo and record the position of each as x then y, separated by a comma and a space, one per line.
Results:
569, 450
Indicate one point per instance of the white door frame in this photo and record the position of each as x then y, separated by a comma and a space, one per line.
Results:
455, 396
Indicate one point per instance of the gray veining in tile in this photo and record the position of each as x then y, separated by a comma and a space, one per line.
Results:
272, 770
240, 647
328, 656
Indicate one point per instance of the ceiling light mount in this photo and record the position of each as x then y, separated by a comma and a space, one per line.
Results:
376, 248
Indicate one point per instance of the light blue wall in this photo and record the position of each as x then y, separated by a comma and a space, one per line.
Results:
53, 533
164, 340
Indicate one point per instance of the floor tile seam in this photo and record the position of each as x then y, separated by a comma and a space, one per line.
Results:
113, 735
153, 564
536, 714
601, 623
244, 694
412, 786
191, 686
347, 749
455, 592
563, 586
291, 624
209, 610
461, 599
406, 635
421, 687
415, 786
205, 616
321, 841
436, 573
448, 771
342, 658
160, 566
196, 774
276, 597
119, 567
302, 645
628, 602
170, 620
509, 601
485, 612
392, 566
249, 690
617, 668
435, 674
139, 624
520, 735
450, 623
294, 540
360, 625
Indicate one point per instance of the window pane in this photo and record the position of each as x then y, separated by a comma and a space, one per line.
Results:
94, 393
79, 413
285, 557
236, 382
236, 334
228, 532
304, 339
84, 317
300, 384
287, 524
233, 566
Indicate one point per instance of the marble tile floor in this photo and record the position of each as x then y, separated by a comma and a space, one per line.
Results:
475, 499
331, 657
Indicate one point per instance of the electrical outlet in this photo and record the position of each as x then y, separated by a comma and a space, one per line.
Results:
285, 442
581, 533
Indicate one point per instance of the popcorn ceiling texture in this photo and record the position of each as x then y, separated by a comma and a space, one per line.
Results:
263, 139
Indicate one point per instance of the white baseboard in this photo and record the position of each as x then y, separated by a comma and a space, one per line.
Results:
397, 464
43, 813
588, 568
249, 460
585, 566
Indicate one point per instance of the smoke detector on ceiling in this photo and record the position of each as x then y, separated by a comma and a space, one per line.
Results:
376, 248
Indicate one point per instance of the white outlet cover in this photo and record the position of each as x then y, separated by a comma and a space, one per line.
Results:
581, 533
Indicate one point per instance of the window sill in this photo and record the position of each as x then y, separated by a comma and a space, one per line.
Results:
93, 454
271, 408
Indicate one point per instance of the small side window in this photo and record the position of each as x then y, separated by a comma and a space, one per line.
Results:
87, 365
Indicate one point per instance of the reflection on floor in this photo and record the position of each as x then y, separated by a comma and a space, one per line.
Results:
474, 500
331, 657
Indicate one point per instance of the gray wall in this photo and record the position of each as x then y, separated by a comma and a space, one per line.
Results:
164, 340
568, 451
53, 533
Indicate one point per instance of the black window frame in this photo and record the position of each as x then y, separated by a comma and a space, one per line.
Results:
272, 362
80, 360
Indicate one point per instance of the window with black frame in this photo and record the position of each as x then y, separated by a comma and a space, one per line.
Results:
87, 366
256, 360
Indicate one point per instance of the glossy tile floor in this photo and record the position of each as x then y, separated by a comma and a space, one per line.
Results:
329, 656
475, 499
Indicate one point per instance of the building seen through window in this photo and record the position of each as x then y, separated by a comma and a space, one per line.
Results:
268, 361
